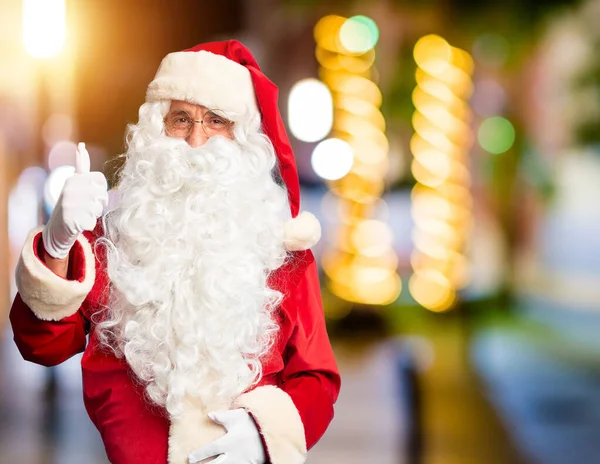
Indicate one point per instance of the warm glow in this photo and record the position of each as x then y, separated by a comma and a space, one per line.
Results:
44, 25
310, 110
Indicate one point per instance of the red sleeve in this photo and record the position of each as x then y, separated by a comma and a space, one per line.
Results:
46, 342
310, 377
49, 342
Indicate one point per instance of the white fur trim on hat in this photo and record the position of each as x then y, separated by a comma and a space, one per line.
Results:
206, 79
279, 422
302, 232
50, 297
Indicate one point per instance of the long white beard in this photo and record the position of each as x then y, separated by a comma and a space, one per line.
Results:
190, 245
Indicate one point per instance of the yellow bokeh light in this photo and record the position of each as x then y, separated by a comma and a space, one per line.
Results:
442, 121
432, 52
328, 59
462, 60
326, 32
372, 238
380, 292
368, 151
357, 64
432, 290
441, 200
348, 83
360, 107
455, 266
359, 189
361, 264
433, 136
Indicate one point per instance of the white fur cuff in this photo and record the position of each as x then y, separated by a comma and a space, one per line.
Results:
49, 296
302, 232
279, 423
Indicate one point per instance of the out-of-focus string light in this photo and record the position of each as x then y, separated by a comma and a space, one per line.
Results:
44, 27
359, 261
442, 201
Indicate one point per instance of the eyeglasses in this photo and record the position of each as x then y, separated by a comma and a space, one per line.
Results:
180, 124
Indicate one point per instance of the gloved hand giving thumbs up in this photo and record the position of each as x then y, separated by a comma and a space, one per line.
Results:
81, 202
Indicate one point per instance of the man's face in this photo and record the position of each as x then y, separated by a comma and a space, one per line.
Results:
196, 123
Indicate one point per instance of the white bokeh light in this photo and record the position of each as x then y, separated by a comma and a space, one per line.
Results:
310, 110
332, 159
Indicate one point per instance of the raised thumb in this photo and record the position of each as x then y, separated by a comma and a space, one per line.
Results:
82, 159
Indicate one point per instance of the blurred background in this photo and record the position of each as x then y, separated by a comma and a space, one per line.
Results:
450, 148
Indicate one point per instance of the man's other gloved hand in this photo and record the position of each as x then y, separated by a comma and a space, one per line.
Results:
240, 445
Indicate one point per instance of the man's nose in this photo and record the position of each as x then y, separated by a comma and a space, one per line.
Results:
198, 137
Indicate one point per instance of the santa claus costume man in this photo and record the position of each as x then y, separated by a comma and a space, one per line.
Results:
194, 296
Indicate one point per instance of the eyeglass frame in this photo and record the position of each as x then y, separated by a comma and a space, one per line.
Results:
215, 112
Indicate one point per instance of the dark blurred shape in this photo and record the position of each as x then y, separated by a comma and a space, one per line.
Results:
410, 404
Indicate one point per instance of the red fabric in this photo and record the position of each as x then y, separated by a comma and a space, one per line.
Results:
267, 98
134, 431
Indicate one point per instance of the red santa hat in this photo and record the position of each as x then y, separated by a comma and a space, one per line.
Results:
225, 76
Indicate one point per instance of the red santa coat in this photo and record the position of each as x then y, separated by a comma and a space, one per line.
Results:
292, 405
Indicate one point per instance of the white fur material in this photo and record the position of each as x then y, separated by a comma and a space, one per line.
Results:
302, 232
279, 423
49, 296
192, 430
206, 79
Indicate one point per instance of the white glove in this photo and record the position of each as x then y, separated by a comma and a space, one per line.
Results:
81, 202
240, 445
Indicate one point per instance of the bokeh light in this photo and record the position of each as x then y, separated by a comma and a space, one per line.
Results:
44, 27
432, 54
441, 200
359, 259
332, 159
310, 110
359, 34
496, 135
